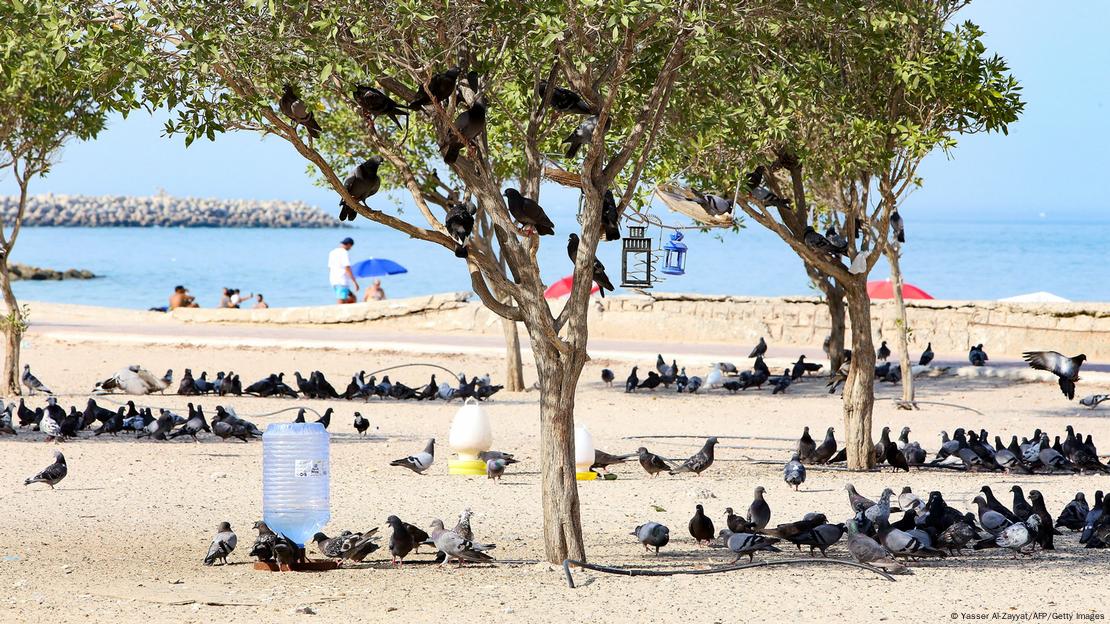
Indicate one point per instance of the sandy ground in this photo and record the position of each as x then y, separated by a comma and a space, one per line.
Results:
122, 538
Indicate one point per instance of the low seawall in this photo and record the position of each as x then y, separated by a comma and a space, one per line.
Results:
1006, 329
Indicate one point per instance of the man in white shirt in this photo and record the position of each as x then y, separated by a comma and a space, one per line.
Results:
339, 272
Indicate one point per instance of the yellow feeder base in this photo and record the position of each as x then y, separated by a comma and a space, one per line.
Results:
585, 476
468, 467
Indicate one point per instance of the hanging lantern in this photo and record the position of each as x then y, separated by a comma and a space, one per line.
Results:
636, 259
675, 261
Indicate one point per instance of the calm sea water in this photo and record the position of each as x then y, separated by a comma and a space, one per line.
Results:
950, 260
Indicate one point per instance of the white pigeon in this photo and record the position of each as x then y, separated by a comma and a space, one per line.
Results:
713, 378
418, 462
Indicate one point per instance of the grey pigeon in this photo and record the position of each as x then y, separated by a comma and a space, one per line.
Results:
418, 462
652, 534
857, 502
296, 110
1015, 536
760, 349
222, 544
1093, 400
263, 548
991, 521
794, 473
748, 543
958, 535
1065, 368
700, 461
32, 383
806, 447
455, 546
468, 125
53, 473
880, 511
820, 537
826, 449
866, 550
462, 527
583, 134
495, 468
651, 463
603, 460
905, 544
759, 512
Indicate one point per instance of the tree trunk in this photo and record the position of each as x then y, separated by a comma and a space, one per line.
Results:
893, 256
13, 333
514, 366
562, 521
859, 389
834, 299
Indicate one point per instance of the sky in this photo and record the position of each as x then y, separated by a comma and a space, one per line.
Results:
1045, 169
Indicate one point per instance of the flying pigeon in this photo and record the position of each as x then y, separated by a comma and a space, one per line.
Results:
419, 462
1066, 368
700, 461
222, 544
528, 213
296, 110
53, 473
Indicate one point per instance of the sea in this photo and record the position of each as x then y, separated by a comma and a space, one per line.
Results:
949, 259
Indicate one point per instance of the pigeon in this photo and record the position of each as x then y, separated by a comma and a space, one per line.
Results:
402, 541
754, 182
603, 460
1045, 530
222, 544
995, 505
610, 218
1065, 368
857, 502
455, 546
926, 356
1093, 400
469, 124
820, 537
806, 447
53, 473
700, 461
374, 102
607, 377
196, 424
583, 135
325, 420
759, 350
495, 468
528, 213
907, 500
759, 512
1022, 508
794, 473
735, 523
462, 527
714, 205
50, 424
701, 527
977, 356
883, 353
564, 100
907, 543
362, 183
816, 241
32, 383
652, 534
652, 381
263, 548
599, 275
187, 387
296, 110
633, 381
419, 462
441, 86
460, 223
1016, 536
880, 511
287, 552
6, 423
652, 463
957, 536
1074, 514
748, 543
991, 521
866, 550
898, 226
361, 424
824, 451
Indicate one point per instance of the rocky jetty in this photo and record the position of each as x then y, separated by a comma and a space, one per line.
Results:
165, 211
28, 272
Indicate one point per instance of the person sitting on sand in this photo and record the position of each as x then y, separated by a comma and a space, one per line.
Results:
225, 298
237, 299
375, 292
260, 303
339, 272
182, 299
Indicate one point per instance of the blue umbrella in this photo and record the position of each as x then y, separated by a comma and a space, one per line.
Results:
373, 267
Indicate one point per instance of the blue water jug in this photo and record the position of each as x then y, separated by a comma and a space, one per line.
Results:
295, 479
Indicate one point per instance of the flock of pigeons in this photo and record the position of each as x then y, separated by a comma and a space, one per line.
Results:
275, 548
928, 528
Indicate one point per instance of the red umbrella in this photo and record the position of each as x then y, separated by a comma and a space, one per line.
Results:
562, 288
884, 289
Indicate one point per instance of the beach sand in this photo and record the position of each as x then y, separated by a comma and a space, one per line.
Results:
122, 537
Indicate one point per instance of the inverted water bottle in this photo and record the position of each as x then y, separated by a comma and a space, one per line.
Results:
295, 479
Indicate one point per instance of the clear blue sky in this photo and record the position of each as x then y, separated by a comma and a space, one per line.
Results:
1050, 163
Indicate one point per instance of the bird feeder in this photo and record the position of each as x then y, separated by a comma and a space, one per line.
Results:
674, 263
583, 454
636, 259
470, 435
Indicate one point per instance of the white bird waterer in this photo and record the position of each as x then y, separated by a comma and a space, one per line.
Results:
583, 454
470, 435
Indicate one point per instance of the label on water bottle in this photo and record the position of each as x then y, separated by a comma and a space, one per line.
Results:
310, 468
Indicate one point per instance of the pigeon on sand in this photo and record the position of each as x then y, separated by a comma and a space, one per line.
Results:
700, 461
222, 544
418, 462
53, 473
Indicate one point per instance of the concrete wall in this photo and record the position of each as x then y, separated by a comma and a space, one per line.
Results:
1006, 329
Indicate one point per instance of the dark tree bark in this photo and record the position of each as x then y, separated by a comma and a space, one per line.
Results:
13, 332
859, 389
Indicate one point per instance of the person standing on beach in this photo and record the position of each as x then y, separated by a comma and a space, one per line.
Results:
339, 272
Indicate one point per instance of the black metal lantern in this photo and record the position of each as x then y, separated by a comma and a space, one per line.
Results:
636, 259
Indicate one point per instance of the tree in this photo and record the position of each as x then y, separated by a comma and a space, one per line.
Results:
222, 66
847, 101
62, 74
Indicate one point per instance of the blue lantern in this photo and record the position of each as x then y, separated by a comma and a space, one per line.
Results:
675, 261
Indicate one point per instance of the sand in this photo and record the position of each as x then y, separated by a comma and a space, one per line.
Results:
122, 538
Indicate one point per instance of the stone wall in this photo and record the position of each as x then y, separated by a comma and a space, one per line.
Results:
1006, 329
